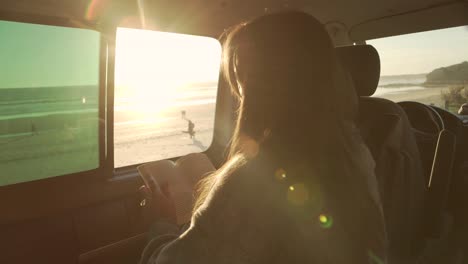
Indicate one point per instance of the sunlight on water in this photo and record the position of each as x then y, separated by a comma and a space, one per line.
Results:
158, 71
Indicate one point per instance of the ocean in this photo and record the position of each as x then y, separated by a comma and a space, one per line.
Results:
399, 84
48, 131
47, 108
395, 84
26, 109
35, 109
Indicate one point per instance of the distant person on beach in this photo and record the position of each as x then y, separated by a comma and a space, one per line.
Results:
191, 129
33, 129
463, 109
191, 126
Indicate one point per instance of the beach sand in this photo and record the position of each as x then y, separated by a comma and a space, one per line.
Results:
48, 153
424, 95
148, 139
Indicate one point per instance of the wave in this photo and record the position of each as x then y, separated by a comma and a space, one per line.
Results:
82, 111
410, 79
401, 85
385, 91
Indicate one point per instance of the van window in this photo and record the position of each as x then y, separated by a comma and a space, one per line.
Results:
428, 67
165, 95
49, 90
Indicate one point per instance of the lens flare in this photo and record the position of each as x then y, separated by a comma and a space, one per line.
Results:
326, 221
298, 194
141, 12
94, 8
374, 259
280, 174
323, 219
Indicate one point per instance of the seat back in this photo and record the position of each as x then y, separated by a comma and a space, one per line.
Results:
426, 125
437, 145
387, 131
439, 185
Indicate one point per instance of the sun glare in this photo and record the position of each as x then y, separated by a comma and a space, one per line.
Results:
152, 68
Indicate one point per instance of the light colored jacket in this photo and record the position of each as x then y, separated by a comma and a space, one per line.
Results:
254, 216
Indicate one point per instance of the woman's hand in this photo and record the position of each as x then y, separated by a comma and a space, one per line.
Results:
160, 202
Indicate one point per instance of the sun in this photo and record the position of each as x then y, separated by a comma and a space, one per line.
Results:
152, 68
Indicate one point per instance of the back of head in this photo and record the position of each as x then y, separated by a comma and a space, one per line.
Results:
282, 67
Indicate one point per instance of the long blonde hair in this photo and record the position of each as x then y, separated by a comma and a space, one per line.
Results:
281, 67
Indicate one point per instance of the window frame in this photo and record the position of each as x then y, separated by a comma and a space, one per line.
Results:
103, 170
223, 108
106, 171
406, 34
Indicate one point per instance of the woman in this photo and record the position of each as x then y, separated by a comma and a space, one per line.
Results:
298, 186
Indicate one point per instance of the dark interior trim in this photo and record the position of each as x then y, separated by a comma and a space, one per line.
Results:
115, 250
110, 102
45, 20
427, 17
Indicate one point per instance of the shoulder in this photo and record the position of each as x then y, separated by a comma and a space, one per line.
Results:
248, 179
238, 205
247, 185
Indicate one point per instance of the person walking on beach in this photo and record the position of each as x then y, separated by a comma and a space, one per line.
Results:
191, 126
33, 129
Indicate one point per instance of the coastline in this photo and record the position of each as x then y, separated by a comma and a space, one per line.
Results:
424, 84
425, 95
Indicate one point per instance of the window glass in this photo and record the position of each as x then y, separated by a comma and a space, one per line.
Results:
428, 67
49, 90
165, 95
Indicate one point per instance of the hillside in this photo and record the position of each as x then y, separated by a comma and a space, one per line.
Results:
454, 74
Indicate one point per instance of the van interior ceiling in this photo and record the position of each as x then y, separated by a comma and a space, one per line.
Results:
92, 210
209, 18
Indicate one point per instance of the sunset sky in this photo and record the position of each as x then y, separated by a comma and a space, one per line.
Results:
422, 52
37, 55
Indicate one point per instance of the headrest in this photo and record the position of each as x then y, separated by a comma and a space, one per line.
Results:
346, 98
363, 64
